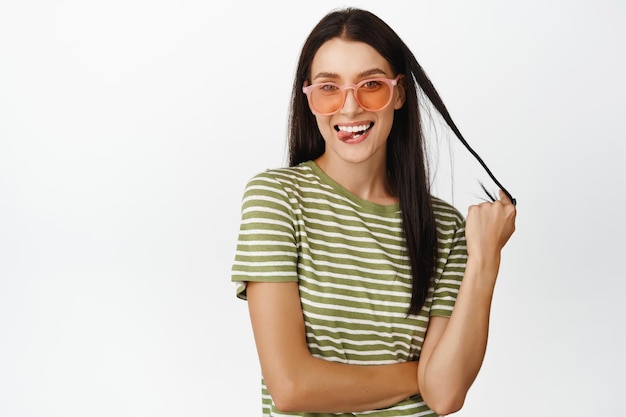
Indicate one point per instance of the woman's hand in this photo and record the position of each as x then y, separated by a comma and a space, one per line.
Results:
488, 227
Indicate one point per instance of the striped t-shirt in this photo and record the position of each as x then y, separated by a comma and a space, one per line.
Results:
349, 258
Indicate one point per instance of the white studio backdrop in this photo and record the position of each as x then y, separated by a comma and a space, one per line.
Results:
129, 128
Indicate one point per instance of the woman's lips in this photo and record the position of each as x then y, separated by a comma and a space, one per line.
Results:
352, 137
353, 133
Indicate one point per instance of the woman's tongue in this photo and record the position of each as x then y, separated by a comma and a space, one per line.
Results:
345, 136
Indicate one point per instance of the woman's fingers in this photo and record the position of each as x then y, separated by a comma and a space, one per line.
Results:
504, 198
489, 226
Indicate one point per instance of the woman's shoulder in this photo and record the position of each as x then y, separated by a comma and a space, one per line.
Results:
282, 180
446, 212
283, 176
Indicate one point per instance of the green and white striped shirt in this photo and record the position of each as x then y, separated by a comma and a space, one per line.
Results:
350, 261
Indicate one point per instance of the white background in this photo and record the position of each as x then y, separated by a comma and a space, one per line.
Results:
129, 128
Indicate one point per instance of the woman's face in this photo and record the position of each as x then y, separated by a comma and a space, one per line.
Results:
354, 134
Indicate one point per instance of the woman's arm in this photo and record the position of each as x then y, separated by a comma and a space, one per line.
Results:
454, 348
296, 380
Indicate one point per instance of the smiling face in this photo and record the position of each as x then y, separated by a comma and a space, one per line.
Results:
354, 135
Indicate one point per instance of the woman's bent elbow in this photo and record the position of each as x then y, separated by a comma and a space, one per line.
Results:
287, 396
447, 406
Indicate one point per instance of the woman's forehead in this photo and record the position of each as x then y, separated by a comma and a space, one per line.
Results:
340, 58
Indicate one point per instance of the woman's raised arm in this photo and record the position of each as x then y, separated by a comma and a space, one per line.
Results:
454, 348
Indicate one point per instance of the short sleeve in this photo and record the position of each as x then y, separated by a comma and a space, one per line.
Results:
266, 245
449, 281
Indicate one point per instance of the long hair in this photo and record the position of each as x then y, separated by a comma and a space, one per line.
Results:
407, 163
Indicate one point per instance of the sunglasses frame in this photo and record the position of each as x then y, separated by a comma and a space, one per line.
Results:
390, 82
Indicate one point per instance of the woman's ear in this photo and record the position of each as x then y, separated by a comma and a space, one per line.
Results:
401, 96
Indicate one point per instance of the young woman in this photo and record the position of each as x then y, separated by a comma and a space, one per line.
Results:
367, 295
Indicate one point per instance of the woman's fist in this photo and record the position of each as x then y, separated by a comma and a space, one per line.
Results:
489, 226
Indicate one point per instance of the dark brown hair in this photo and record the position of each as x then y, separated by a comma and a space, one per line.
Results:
406, 154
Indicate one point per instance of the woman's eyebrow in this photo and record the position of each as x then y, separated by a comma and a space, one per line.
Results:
363, 74
326, 75
373, 71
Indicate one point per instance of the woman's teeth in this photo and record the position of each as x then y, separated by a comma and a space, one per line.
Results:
353, 129
351, 132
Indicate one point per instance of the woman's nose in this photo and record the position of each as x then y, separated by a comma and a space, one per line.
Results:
350, 104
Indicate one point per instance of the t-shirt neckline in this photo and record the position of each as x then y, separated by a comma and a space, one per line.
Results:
365, 204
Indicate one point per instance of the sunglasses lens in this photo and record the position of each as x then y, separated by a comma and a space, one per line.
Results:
374, 95
326, 99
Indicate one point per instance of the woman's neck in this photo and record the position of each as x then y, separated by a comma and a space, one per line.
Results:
367, 180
